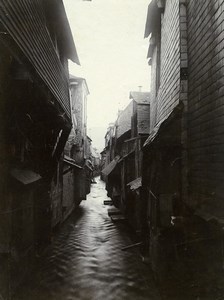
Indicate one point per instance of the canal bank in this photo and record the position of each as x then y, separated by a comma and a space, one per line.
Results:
85, 260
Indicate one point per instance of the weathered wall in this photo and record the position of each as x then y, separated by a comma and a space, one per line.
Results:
77, 110
56, 196
124, 120
168, 57
5, 204
143, 115
206, 103
68, 202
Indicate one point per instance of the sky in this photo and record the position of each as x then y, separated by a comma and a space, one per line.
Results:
109, 37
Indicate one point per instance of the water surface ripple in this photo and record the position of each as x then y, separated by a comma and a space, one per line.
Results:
85, 261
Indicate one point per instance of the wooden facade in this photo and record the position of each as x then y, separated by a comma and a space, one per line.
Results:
76, 177
35, 124
126, 139
182, 169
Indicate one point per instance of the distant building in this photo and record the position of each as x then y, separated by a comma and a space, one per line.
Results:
76, 182
124, 141
95, 158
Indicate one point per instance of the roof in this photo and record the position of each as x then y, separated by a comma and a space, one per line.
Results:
140, 97
25, 21
135, 184
25, 176
163, 123
153, 18
109, 168
71, 162
55, 10
124, 120
103, 151
89, 138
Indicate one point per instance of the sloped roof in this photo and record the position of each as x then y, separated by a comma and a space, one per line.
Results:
109, 168
25, 176
124, 120
177, 111
56, 14
140, 97
71, 162
153, 18
25, 22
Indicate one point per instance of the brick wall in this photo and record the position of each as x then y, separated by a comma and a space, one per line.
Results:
206, 103
168, 93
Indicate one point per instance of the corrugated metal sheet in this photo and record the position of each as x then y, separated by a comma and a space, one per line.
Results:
25, 22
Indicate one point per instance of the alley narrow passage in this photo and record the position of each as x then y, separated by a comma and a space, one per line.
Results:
86, 261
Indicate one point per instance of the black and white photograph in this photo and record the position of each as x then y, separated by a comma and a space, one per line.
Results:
111, 149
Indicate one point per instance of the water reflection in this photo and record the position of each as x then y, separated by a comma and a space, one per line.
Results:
85, 260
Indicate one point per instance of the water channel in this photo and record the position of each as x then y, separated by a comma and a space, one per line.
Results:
85, 260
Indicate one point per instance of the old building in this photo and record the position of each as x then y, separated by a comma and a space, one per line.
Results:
123, 173
35, 124
76, 175
182, 169
107, 155
164, 172
95, 158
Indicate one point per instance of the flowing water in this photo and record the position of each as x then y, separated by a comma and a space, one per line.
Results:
86, 261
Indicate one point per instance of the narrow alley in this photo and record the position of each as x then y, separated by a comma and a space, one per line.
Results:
85, 260
111, 150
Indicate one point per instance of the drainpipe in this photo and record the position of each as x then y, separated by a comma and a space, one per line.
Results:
184, 96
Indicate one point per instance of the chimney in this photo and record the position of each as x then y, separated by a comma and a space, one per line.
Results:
140, 88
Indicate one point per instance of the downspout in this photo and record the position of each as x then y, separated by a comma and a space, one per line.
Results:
184, 97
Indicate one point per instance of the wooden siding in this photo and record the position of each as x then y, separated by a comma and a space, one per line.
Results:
143, 115
124, 120
153, 101
206, 103
25, 22
167, 96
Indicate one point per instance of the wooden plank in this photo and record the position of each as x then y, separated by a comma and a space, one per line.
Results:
116, 218
113, 211
107, 202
